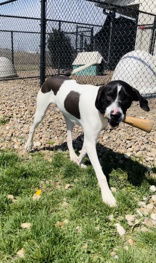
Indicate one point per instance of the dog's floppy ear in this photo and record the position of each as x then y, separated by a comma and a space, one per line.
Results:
137, 97
99, 103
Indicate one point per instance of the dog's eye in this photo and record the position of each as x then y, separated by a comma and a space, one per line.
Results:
124, 99
109, 99
125, 104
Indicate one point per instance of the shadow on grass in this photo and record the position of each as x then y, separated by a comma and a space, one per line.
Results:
110, 161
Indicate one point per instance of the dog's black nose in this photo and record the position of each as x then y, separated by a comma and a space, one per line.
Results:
115, 116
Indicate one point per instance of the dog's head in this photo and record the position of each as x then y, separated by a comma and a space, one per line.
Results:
115, 98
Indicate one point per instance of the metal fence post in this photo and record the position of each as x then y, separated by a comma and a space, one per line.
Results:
92, 38
112, 16
43, 42
12, 47
81, 42
153, 38
76, 39
59, 64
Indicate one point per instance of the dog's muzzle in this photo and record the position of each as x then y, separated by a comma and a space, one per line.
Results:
115, 119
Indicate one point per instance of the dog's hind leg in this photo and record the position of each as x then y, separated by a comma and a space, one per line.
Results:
81, 156
72, 154
43, 101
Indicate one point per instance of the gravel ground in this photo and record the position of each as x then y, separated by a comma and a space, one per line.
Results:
18, 99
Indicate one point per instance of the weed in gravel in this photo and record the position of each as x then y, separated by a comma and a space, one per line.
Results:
4, 120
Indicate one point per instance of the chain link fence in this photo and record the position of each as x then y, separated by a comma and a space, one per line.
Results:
19, 39
112, 39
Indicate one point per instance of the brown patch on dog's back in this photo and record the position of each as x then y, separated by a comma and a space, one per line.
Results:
54, 83
71, 104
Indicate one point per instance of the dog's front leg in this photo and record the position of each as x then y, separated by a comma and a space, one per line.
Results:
90, 144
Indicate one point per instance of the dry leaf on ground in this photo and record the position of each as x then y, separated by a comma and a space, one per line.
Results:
62, 223
152, 188
68, 186
12, 198
121, 231
21, 253
131, 242
26, 225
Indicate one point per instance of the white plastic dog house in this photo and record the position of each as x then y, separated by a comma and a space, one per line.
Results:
6, 68
137, 68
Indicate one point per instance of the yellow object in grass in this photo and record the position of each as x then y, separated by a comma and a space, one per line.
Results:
38, 192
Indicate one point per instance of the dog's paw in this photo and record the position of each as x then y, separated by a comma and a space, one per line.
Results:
28, 147
83, 166
109, 199
74, 159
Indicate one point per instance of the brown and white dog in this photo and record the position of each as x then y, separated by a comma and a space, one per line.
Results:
92, 107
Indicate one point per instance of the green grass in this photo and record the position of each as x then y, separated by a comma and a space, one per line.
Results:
69, 224
4, 120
